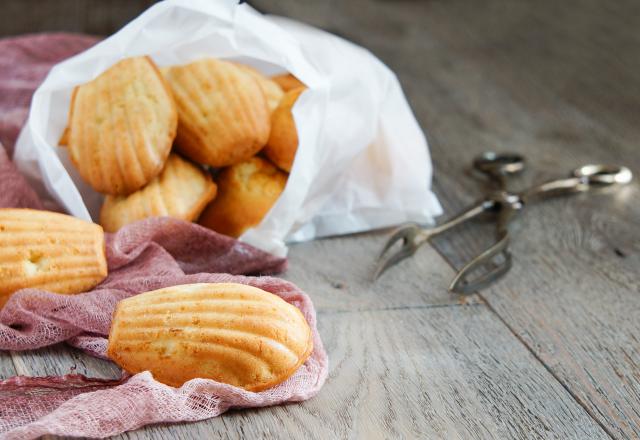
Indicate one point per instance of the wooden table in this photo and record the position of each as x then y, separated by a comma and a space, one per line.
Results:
553, 350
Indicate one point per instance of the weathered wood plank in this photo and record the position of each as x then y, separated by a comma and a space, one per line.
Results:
431, 372
6, 365
319, 266
61, 359
557, 82
572, 298
585, 328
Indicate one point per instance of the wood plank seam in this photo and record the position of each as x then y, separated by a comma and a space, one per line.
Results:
551, 372
534, 354
395, 308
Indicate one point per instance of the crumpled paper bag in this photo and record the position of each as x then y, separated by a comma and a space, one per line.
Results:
362, 162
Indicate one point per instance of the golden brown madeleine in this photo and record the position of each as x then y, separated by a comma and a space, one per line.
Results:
283, 140
50, 251
182, 190
231, 333
271, 89
223, 113
246, 192
64, 139
287, 82
122, 125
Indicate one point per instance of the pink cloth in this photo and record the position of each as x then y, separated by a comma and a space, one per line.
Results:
24, 63
147, 255
14, 190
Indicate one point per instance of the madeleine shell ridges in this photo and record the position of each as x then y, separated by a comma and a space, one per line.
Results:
182, 190
222, 111
232, 333
50, 251
272, 91
121, 126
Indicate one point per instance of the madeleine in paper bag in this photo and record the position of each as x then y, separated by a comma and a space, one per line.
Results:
50, 251
283, 140
287, 82
272, 91
121, 127
222, 111
231, 333
246, 192
182, 190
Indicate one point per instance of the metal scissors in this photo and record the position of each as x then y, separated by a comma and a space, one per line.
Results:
503, 205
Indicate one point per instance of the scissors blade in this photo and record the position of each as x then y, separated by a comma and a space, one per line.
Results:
414, 236
461, 283
392, 259
402, 233
467, 287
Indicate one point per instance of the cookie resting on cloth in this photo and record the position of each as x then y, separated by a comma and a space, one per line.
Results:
228, 332
50, 251
147, 255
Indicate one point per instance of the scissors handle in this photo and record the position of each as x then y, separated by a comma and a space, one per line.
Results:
498, 166
582, 179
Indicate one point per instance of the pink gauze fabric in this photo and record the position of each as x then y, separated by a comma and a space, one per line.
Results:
147, 255
24, 63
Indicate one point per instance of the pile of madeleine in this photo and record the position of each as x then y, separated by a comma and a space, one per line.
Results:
152, 139
232, 333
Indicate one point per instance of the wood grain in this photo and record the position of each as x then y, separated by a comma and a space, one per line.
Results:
552, 351
7, 368
319, 266
61, 359
556, 82
412, 374
584, 328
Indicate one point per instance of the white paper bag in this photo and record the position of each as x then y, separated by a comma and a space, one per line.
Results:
362, 160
